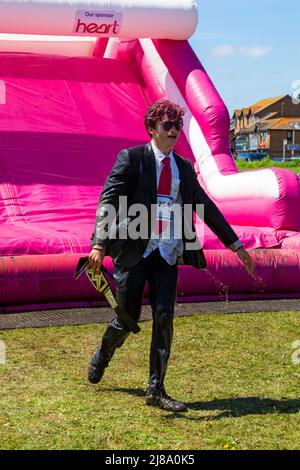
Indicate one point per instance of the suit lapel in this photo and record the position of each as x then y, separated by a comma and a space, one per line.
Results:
149, 161
181, 170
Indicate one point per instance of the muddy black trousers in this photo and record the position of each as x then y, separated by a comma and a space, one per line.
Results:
130, 284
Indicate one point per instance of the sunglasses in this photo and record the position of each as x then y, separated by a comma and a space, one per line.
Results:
167, 125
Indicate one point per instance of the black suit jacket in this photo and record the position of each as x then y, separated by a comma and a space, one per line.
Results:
134, 175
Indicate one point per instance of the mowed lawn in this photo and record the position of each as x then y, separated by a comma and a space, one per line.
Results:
234, 370
293, 165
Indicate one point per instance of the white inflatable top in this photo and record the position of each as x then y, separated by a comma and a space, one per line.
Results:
167, 19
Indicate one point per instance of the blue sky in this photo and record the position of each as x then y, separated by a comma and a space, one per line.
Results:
249, 48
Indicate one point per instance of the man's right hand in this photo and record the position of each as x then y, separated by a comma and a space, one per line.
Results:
96, 257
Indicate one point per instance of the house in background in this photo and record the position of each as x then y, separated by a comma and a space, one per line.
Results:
271, 126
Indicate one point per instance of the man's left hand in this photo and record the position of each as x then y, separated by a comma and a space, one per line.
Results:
246, 260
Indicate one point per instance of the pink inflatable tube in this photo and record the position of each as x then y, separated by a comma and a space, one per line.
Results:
268, 197
46, 281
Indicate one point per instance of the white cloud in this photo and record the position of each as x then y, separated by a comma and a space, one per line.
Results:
255, 52
224, 50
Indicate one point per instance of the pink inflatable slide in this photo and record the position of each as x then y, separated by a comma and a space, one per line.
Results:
75, 80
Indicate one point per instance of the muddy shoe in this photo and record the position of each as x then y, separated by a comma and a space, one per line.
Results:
95, 373
165, 402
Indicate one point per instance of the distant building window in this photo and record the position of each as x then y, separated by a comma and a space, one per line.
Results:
289, 134
242, 142
264, 140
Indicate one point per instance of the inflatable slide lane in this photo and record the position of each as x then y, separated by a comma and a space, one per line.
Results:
75, 80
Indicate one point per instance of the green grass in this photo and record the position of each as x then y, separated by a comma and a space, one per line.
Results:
293, 165
235, 371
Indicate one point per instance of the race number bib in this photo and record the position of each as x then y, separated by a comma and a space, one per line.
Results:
164, 204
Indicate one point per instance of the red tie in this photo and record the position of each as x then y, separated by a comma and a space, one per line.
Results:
165, 180
164, 188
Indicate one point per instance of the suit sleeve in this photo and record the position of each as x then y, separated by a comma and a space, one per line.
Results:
118, 183
213, 216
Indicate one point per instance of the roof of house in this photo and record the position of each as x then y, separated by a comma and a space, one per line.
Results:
258, 106
279, 124
269, 116
249, 129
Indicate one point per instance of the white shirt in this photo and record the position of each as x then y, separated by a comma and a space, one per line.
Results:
171, 248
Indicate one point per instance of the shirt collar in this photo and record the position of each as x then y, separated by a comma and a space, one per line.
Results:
159, 156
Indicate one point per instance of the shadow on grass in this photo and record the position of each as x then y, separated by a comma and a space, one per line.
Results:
236, 407
228, 407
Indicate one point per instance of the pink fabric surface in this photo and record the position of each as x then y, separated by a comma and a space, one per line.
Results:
53, 164
63, 124
288, 239
38, 279
20, 238
252, 237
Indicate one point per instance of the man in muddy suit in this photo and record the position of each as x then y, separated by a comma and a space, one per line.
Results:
153, 175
